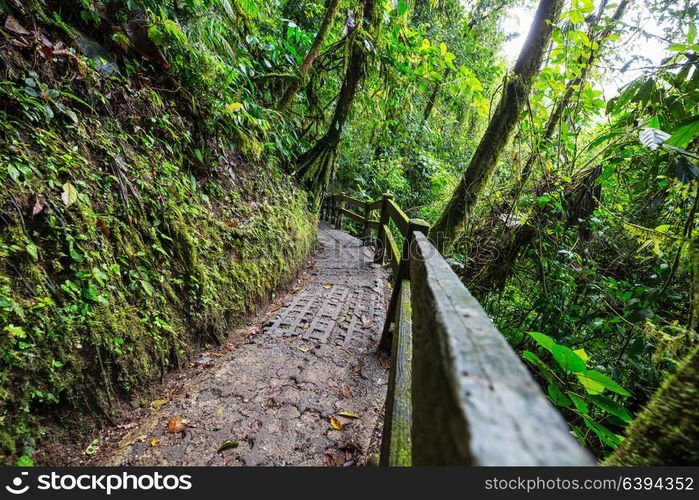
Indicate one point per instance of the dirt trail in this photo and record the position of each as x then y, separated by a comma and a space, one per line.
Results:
276, 394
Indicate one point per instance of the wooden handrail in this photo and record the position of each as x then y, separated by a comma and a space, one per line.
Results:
457, 393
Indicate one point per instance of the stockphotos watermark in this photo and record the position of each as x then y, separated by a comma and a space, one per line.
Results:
107, 483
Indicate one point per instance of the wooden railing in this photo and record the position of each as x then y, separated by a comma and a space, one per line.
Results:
457, 392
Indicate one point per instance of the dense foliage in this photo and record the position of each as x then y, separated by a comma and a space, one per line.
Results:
581, 245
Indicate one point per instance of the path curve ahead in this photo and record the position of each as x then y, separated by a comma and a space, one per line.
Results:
275, 395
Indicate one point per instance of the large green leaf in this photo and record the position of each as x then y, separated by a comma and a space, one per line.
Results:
535, 360
579, 403
557, 396
607, 436
684, 135
569, 360
543, 340
596, 382
610, 406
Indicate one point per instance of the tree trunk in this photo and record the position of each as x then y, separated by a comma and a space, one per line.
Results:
302, 74
315, 166
666, 432
433, 97
503, 121
573, 85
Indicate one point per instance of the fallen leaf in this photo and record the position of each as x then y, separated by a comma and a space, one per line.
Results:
228, 445
331, 383
205, 361
346, 391
328, 285
175, 425
155, 442
11, 24
336, 424
93, 447
69, 194
329, 460
159, 402
104, 229
253, 330
46, 45
228, 347
367, 321
38, 207
347, 415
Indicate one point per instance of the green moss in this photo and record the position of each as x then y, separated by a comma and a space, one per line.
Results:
666, 432
146, 266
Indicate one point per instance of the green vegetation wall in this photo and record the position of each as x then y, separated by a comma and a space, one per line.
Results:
137, 222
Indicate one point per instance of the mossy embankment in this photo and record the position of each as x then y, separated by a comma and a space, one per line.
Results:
130, 234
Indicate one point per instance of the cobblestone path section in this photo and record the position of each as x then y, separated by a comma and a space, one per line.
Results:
273, 398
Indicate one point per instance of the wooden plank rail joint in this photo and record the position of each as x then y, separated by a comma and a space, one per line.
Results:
457, 392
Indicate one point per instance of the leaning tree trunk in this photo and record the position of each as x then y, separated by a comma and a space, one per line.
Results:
314, 167
301, 77
666, 432
502, 123
573, 85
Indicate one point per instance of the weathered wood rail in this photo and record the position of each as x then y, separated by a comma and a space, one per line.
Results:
457, 393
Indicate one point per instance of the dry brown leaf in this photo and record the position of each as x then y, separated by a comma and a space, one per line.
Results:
11, 24
329, 460
228, 347
159, 402
346, 391
336, 424
176, 425
331, 383
347, 415
102, 226
367, 321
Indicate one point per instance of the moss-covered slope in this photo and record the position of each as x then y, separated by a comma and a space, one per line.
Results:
128, 236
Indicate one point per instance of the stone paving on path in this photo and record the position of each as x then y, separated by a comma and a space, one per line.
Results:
275, 398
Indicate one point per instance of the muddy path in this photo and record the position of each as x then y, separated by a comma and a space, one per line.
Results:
308, 389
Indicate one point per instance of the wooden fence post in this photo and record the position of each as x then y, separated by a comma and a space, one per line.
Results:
338, 213
381, 242
367, 232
